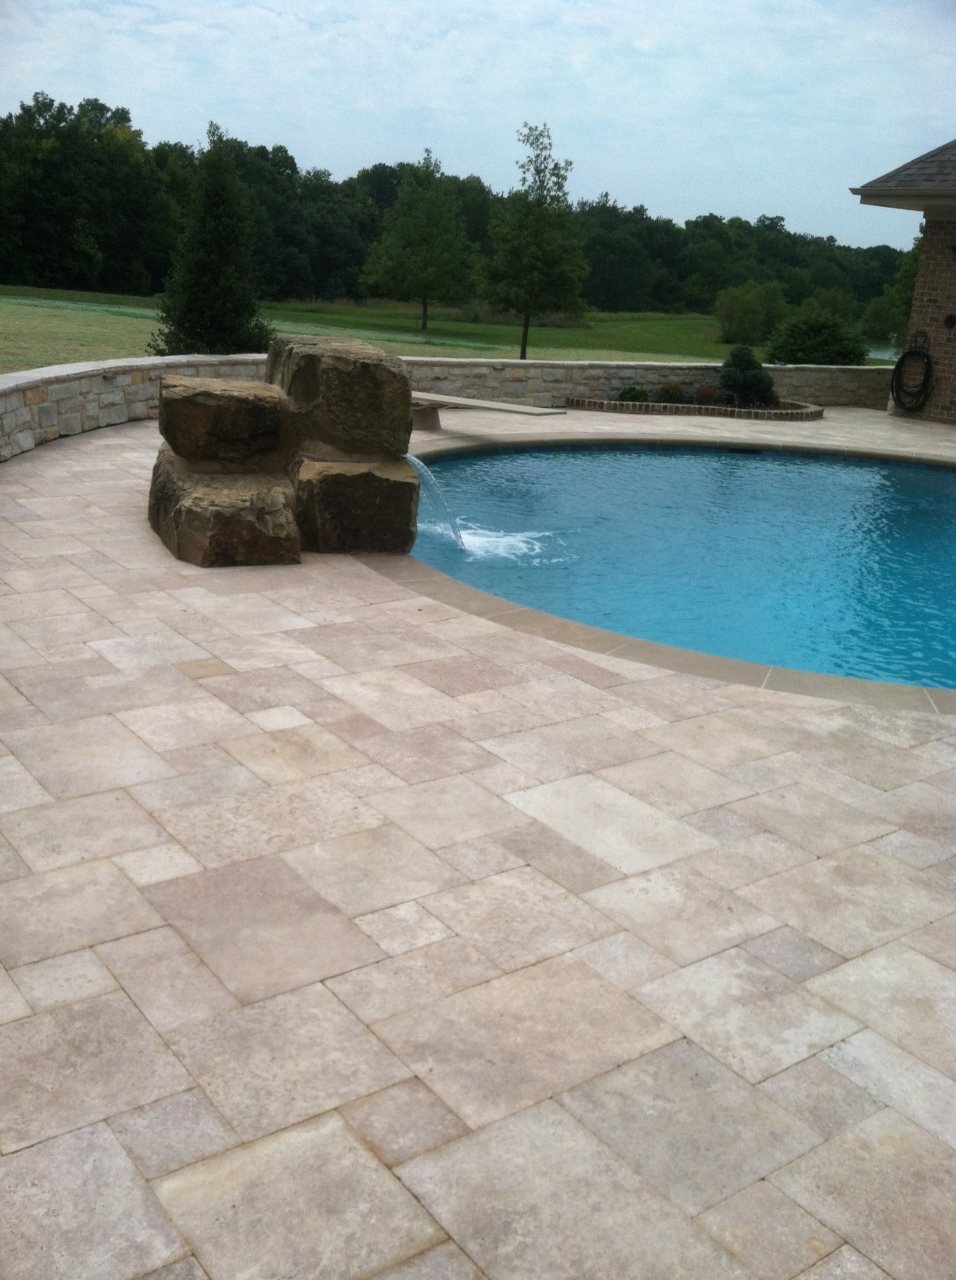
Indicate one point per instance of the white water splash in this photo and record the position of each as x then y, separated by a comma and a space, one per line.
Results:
529, 546
534, 546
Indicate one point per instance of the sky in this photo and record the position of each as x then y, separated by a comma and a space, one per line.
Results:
734, 107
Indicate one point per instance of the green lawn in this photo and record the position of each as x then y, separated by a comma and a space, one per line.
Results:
48, 326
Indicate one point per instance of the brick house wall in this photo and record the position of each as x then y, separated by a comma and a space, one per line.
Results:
934, 299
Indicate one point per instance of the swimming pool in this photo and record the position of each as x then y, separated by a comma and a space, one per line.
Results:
836, 565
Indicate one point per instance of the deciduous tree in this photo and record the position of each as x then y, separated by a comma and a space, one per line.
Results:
537, 265
750, 312
423, 252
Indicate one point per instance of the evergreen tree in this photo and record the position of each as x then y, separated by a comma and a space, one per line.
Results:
744, 379
538, 265
210, 303
423, 251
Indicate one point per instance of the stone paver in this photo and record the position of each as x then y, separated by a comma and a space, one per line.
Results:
87, 755
446, 811
825, 1099
748, 1015
937, 940
851, 901
272, 1064
419, 976
260, 928
917, 1091
770, 1234
522, 1198
573, 746
844, 1264
689, 1125
63, 980
905, 996
77, 1064
59, 911
75, 1208
680, 913
188, 1269
12, 1003
70, 831
166, 980
315, 887
366, 871
612, 825
175, 1131
561, 859
625, 961
248, 825
519, 917
238, 1208
447, 1262
814, 821
407, 927
520, 1038
888, 1188
403, 1121
789, 951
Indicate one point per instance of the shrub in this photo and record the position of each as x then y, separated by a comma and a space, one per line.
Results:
670, 393
813, 336
750, 312
636, 395
746, 382
709, 393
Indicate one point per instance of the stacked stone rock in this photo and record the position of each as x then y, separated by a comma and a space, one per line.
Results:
312, 459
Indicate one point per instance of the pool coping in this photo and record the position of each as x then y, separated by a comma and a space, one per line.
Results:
442, 587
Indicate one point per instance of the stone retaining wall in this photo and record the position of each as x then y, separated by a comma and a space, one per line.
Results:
39, 405
549, 383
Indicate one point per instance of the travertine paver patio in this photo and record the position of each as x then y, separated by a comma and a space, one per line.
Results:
355, 925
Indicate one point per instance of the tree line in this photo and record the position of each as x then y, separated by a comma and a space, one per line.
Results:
86, 204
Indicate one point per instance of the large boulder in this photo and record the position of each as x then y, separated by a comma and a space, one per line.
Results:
347, 505
222, 519
227, 423
345, 393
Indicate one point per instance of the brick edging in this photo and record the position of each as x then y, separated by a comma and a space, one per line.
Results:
793, 410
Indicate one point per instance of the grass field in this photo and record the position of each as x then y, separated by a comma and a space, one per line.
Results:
46, 326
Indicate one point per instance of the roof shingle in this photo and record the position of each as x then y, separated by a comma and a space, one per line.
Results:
933, 174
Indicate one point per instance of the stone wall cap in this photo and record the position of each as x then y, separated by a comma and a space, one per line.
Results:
63, 372
458, 361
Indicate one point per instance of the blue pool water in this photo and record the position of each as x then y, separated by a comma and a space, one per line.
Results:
794, 560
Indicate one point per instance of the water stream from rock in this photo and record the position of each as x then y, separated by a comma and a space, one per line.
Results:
436, 500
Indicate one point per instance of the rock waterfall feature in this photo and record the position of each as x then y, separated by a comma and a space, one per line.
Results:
312, 459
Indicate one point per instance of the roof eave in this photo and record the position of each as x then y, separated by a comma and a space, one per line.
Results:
922, 201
